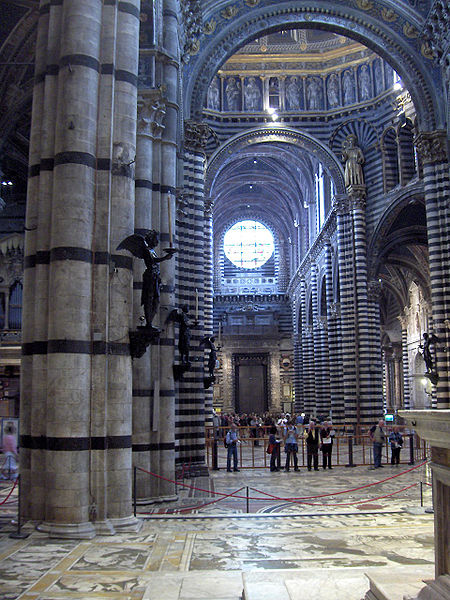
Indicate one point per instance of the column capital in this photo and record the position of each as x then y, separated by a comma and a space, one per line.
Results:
403, 321
357, 196
334, 309
196, 135
321, 322
374, 289
209, 205
432, 146
151, 110
340, 204
181, 201
307, 330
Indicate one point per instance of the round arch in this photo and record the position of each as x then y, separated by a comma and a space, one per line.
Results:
272, 134
394, 37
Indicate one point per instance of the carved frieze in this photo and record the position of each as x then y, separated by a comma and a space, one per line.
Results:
192, 22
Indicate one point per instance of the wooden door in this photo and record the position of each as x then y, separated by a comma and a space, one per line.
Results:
251, 384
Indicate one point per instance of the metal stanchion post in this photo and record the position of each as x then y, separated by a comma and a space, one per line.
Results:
350, 452
18, 535
421, 494
215, 455
247, 501
134, 489
411, 448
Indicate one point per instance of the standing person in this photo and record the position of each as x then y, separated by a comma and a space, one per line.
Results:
9, 468
291, 445
231, 440
326, 436
312, 437
378, 437
275, 442
396, 441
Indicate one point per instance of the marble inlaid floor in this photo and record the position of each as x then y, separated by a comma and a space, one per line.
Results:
280, 550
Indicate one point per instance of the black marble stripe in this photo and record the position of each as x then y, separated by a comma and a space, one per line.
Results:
46, 164
97, 348
45, 9
71, 444
129, 8
126, 76
144, 183
81, 60
170, 13
137, 393
45, 257
78, 158
107, 69
167, 189
153, 447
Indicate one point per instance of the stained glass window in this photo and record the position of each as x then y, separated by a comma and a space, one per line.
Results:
248, 244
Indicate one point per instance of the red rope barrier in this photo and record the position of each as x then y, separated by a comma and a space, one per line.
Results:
287, 499
10, 492
186, 508
361, 487
336, 504
212, 501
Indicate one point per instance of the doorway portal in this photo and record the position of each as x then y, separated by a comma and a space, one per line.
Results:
250, 376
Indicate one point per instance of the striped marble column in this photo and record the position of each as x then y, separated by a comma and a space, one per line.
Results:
208, 268
374, 405
164, 185
33, 397
336, 392
301, 340
190, 410
79, 429
314, 357
405, 361
347, 304
367, 331
151, 113
433, 150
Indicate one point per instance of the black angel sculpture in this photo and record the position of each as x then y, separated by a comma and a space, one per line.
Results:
208, 342
181, 316
143, 247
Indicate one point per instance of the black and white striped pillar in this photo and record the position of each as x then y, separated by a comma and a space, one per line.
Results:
433, 148
76, 388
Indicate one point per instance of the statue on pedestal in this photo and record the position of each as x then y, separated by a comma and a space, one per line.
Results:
143, 247
430, 340
353, 158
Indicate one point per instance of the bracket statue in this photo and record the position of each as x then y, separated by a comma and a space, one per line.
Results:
143, 247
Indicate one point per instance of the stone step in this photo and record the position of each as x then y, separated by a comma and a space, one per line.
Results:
398, 584
351, 583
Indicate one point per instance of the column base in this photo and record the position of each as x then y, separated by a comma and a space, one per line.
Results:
130, 523
104, 527
77, 531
